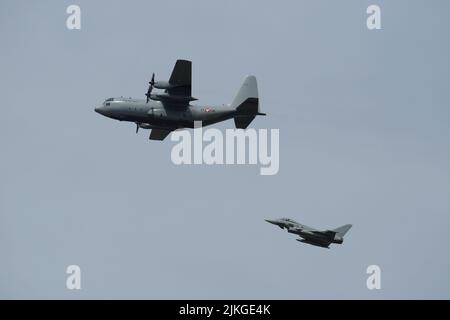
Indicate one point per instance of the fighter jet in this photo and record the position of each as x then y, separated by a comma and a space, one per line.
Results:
310, 235
164, 112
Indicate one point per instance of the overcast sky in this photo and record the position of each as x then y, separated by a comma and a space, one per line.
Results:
364, 139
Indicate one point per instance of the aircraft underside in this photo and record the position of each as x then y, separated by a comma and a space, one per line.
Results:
178, 123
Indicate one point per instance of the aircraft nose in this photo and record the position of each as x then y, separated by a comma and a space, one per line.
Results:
99, 110
270, 221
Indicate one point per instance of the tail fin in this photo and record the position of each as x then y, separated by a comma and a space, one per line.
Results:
246, 103
341, 231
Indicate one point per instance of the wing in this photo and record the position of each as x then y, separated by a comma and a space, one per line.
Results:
159, 134
318, 243
325, 233
181, 79
328, 235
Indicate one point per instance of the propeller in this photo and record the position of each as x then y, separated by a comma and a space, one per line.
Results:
150, 88
137, 127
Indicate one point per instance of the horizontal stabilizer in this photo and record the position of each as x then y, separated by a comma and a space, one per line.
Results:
243, 122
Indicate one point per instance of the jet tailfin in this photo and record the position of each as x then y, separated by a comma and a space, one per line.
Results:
246, 103
341, 231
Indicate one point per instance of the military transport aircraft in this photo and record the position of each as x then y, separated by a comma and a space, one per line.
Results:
166, 111
310, 235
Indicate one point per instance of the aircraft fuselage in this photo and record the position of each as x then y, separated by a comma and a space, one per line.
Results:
163, 115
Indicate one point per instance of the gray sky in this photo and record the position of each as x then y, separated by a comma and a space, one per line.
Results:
364, 139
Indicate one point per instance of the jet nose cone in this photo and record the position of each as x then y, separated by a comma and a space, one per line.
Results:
270, 221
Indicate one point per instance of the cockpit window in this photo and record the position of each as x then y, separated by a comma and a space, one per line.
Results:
110, 99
